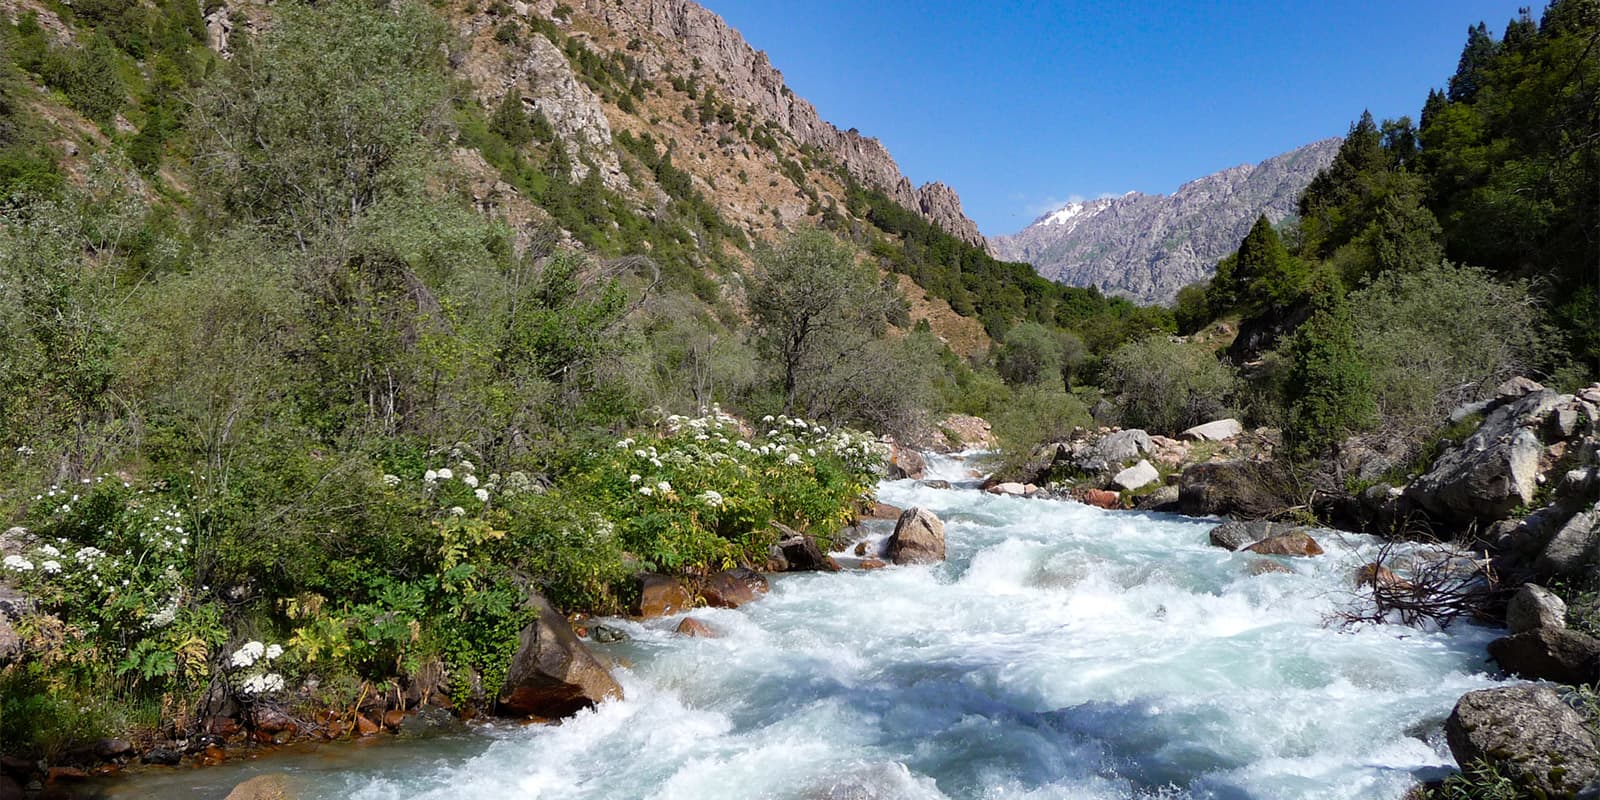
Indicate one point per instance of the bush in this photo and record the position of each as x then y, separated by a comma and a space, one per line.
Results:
1329, 386
1035, 415
1165, 386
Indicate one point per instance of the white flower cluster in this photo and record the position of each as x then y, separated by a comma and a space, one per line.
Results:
252, 654
465, 472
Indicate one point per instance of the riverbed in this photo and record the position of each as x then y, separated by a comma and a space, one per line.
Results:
1061, 651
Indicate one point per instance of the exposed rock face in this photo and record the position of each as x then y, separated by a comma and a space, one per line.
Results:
1529, 735
732, 588
1535, 607
918, 538
968, 432
1114, 450
942, 206
550, 87
553, 674
1147, 247
746, 75
1573, 547
1551, 654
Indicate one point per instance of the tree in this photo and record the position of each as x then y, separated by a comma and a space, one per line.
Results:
1030, 354
1264, 274
1476, 56
511, 121
815, 307
1329, 386
1166, 385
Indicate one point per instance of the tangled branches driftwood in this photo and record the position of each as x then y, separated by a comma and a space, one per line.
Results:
1433, 586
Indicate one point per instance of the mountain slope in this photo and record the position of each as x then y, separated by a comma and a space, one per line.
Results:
1147, 247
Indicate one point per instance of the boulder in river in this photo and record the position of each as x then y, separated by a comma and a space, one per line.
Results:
1237, 534
797, 552
918, 538
1137, 476
1528, 735
1551, 654
272, 786
1009, 489
732, 588
553, 674
1494, 471
1101, 498
662, 595
1534, 607
906, 463
1234, 488
1215, 431
1114, 450
1164, 498
1293, 543
695, 628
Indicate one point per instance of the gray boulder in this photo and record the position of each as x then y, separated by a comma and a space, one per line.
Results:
1137, 476
1529, 735
1164, 498
918, 538
1491, 473
1572, 547
1549, 654
1535, 607
906, 463
797, 552
1216, 431
1114, 450
1237, 535
553, 674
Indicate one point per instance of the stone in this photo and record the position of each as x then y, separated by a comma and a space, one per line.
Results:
427, 722
732, 588
1236, 487
10, 641
1516, 388
1573, 546
161, 756
918, 538
1493, 472
1237, 535
1378, 576
873, 563
10, 789
1529, 735
393, 718
1114, 450
693, 627
906, 463
113, 749
1563, 423
884, 510
274, 786
1008, 488
272, 720
966, 432
933, 484
1533, 607
1293, 543
223, 727
1164, 498
553, 674
1216, 431
1549, 654
365, 726
1266, 566
797, 552
662, 595
607, 634
1137, 476
1100, 498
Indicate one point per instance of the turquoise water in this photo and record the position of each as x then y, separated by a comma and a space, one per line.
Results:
1061, 652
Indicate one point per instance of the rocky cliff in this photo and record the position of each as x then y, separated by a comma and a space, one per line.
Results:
1147, 247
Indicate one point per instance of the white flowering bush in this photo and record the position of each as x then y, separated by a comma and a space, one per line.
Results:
705, 492
250, 669
112, 569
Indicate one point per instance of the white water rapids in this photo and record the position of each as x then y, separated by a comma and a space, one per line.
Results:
1061, 652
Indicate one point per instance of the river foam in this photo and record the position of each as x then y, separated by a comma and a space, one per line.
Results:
1061, 652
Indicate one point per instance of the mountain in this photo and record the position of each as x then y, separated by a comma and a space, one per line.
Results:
1146, 247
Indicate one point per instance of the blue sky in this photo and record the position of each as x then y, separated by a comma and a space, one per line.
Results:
1024, 106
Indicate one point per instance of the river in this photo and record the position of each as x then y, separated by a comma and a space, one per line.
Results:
1062, 651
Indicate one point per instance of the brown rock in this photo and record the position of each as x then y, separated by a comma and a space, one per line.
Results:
552, 673
861, 548
1551, 654
797, 552
1379, 576
211, 756
10, 789
365, 726
660, 596
872, 563
1293, 543
882, 511
393, 718
58, 774
17, 767
733, 587
906, 463
1101, 498
693, 627
918, 538
225, 727
275, 786
273, 720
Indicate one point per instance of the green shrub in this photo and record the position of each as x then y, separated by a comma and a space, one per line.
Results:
1165, 386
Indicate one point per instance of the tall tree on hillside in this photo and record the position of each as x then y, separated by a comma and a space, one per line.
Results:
1329, 387
1261, 275
1476, 56
511, 120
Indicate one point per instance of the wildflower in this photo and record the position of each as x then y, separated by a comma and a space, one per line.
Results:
261, 684
663, 487
273, 651
457, 511
712, 498
792, 459
767, 418
18, 564
391, 480
445, 474
247, 655
467, 466
471, 481
52, 566
481, 494
646, 491
655, 462
430, 476
634, 478
641, 454
24, 451
49, 550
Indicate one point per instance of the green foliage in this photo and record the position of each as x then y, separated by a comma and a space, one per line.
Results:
1032, 416
511, 121
1165, 386
1031, 353
1261, 275
1329, 386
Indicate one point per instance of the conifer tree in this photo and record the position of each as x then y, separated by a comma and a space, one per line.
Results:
511, 121
1329, 387
1264, 274
1476, 55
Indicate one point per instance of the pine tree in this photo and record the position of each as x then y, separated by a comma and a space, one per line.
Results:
1264, 274
1329, 387
1476, 56
511, 121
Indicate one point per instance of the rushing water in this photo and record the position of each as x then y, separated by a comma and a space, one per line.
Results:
1061, 652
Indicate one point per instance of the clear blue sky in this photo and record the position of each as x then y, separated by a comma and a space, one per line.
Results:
1023, 106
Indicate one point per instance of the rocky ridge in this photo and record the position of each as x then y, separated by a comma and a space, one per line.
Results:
1146, 247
